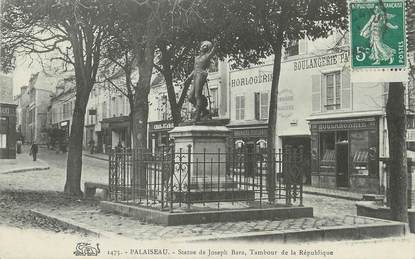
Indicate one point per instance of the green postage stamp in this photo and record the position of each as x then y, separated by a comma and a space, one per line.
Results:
378, 34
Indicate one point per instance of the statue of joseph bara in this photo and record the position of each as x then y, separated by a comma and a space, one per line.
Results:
200, 73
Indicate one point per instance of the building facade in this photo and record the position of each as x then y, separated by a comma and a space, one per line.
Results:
61, 107
33, 104
160, 121
7, 118
340, 125
114, 119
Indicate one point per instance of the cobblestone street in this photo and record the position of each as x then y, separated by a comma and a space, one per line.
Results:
95, 170
20, 191
53, 179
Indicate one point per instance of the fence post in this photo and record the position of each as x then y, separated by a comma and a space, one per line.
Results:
287, 172
180, 168
171, 179
273, 170
218, 178
260, 180
189, 150
301, 174
110, 187
116, 175
122, 166
162, 182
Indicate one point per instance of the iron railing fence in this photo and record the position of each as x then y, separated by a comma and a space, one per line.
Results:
184, 179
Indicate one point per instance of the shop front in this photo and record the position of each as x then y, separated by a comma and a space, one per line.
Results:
250, 137
64, 125
345, 154
7, 131
248, 140
158, 133
303, 143
115, 131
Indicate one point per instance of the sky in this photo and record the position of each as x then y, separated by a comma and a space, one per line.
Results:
25, 67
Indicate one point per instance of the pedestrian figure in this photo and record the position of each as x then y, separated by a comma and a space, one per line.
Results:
91, 145
33, 151
19, 146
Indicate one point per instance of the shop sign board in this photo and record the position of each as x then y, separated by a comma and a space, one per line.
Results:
378, 34
7, 111
343, 124
163, 126
321, 61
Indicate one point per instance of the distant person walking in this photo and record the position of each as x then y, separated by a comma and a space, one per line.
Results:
91, 146
19, 146
33, 151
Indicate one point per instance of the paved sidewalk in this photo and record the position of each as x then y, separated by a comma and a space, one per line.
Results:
99, 156
102, 222
22, 163
335, 193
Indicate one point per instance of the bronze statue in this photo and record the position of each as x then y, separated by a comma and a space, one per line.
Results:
200, 73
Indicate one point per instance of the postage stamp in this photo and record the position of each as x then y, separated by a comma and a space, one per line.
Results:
378, 34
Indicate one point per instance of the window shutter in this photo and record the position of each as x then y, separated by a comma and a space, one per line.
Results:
316, 93
345, 90
264, 109
323, 87
256, 106
237, 107
242, 107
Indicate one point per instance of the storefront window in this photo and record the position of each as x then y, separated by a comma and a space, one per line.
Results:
327, 152
359, 152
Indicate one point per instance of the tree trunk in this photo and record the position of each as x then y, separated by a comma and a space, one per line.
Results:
272, 120
140, 116
171, 94
74, 162
396, 120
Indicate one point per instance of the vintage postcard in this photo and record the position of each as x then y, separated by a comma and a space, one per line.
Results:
207, 129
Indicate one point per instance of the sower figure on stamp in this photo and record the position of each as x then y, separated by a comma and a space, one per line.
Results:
200, 73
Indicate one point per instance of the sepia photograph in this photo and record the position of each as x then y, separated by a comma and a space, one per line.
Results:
207, 129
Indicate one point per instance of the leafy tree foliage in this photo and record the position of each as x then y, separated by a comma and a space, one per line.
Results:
74, 29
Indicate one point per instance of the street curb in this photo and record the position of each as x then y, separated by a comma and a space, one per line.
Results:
328, 234
80, 227
99, 158
333, 195
67, 223
28, 169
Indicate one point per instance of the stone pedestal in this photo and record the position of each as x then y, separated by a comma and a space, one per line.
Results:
208, 155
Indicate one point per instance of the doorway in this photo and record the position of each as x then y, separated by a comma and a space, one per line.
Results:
342, 161
304, 142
